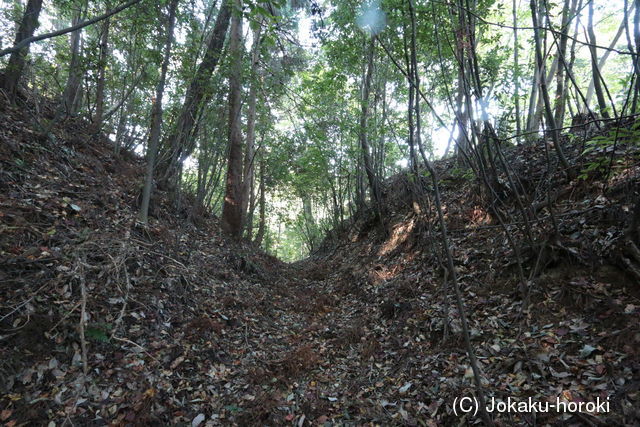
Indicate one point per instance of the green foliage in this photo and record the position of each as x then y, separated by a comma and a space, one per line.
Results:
462, 173
309, 99
98, 332
600, 149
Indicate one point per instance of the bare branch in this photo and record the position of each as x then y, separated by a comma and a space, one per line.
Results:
26, 42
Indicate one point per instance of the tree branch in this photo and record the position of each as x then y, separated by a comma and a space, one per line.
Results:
26, 42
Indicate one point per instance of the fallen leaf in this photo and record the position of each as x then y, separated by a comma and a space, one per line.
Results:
4, 415
197, 420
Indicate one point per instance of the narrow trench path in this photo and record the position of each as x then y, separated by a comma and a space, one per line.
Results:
317, 345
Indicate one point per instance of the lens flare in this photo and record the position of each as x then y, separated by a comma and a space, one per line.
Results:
371, 19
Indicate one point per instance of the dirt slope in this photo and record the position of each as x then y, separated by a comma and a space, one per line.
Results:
183, 326
575, 339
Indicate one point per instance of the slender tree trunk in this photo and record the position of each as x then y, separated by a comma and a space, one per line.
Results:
309, 222
102, 66
121, 128
250, 212
156, 116
17, 60
232, 208
533, 100
364, 144
568, 12
636, 33
595, 71
416, 79
568, 67
263, 217
537, 117
248, 170
605, 56
180, 143
516, 69
551, 124
71, 96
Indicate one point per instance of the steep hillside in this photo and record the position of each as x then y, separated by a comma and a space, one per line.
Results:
569, 332
106, 322
168, 308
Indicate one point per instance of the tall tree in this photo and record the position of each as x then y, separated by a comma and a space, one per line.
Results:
71, 95
550, 119
595, 70
262, 210
17, 60
181, 143
364, 144
102, 68
568, 12
516, 68
156, 115
232, 208
249, 155
606, 54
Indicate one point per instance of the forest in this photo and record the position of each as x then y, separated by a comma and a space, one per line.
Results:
319, 212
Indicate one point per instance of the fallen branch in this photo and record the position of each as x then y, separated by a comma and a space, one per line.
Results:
83, 311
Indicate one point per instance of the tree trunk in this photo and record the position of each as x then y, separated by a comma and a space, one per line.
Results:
516, 70
121, 128
102, 66
250, 212
551, 125
248, 172
71, 95
443, 228
364, 144
17, 60
156, 116
262, 223
180, 142
537, 117
605, 56
533, 100
595, 71
309, 222
567, 12
232, 208
636, 32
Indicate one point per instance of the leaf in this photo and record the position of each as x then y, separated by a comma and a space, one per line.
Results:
4, 415
559, 374
197, 420
322, 419
405, 388
177, 362
587, 350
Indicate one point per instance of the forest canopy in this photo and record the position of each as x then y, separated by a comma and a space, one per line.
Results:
283, 118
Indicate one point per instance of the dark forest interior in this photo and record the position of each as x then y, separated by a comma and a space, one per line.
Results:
319, 213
